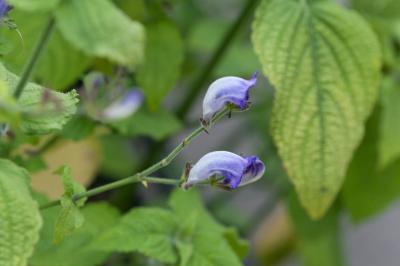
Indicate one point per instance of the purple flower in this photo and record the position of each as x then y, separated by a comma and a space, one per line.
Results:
4, 8
224, 91
230, 170
125, 106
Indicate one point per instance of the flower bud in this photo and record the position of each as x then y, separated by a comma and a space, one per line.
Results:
228, 169
227, 90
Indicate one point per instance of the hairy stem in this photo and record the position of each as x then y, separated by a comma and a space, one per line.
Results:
30, 66
144, 175
194, 90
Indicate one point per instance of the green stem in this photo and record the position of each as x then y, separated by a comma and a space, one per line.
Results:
128, 180
29, 67
144, 175
215, 58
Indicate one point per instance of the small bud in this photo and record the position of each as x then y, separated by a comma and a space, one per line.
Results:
227, 169
233, 91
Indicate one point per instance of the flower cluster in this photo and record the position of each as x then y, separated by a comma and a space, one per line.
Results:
226, 169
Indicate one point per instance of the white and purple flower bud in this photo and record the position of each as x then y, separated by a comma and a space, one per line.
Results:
4, 8
226, 91
228, 169
125, 106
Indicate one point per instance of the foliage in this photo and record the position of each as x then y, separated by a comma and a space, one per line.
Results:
324, 112
20, 219
333, 59
180, 235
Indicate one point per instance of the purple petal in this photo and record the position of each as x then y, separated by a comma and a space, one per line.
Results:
4, 8
233, 168
254, 170
227, 90
124, 107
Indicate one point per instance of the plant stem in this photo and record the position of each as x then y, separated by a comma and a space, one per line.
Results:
128, 180
215, 58
144, 175
29, 67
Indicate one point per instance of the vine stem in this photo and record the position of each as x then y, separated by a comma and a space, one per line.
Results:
29, 67
194, 90
143, 176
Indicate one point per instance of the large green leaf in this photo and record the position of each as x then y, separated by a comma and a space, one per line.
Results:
59, 65
186, 235
324, 63
45, 111
151, 232
198, 229
163, 60
20, 219
369, 188
75, 249
389, 128
34, 5
318, 242
98, 28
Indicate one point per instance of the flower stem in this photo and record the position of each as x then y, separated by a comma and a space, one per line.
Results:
144, 175
29, 67
215, 58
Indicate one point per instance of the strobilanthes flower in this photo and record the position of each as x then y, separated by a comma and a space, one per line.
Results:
227, 169
4, 9
125, 106
225, 91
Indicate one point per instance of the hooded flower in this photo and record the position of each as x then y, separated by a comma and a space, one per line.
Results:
229, 169
125, 106
224, 91
4, 8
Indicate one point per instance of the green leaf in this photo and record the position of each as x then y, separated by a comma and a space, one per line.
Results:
369, 188
75, 250
79, 127
100, 29
158, 125
149, 230
389, 128
238, 245
163, 60
70, 218
71, 187
318, 242
20, 219
34, 5
8, 107
186, 233
59, 65
198, 230
324, 62
45, 111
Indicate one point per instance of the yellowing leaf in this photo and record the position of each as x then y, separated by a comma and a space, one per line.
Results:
324, 62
